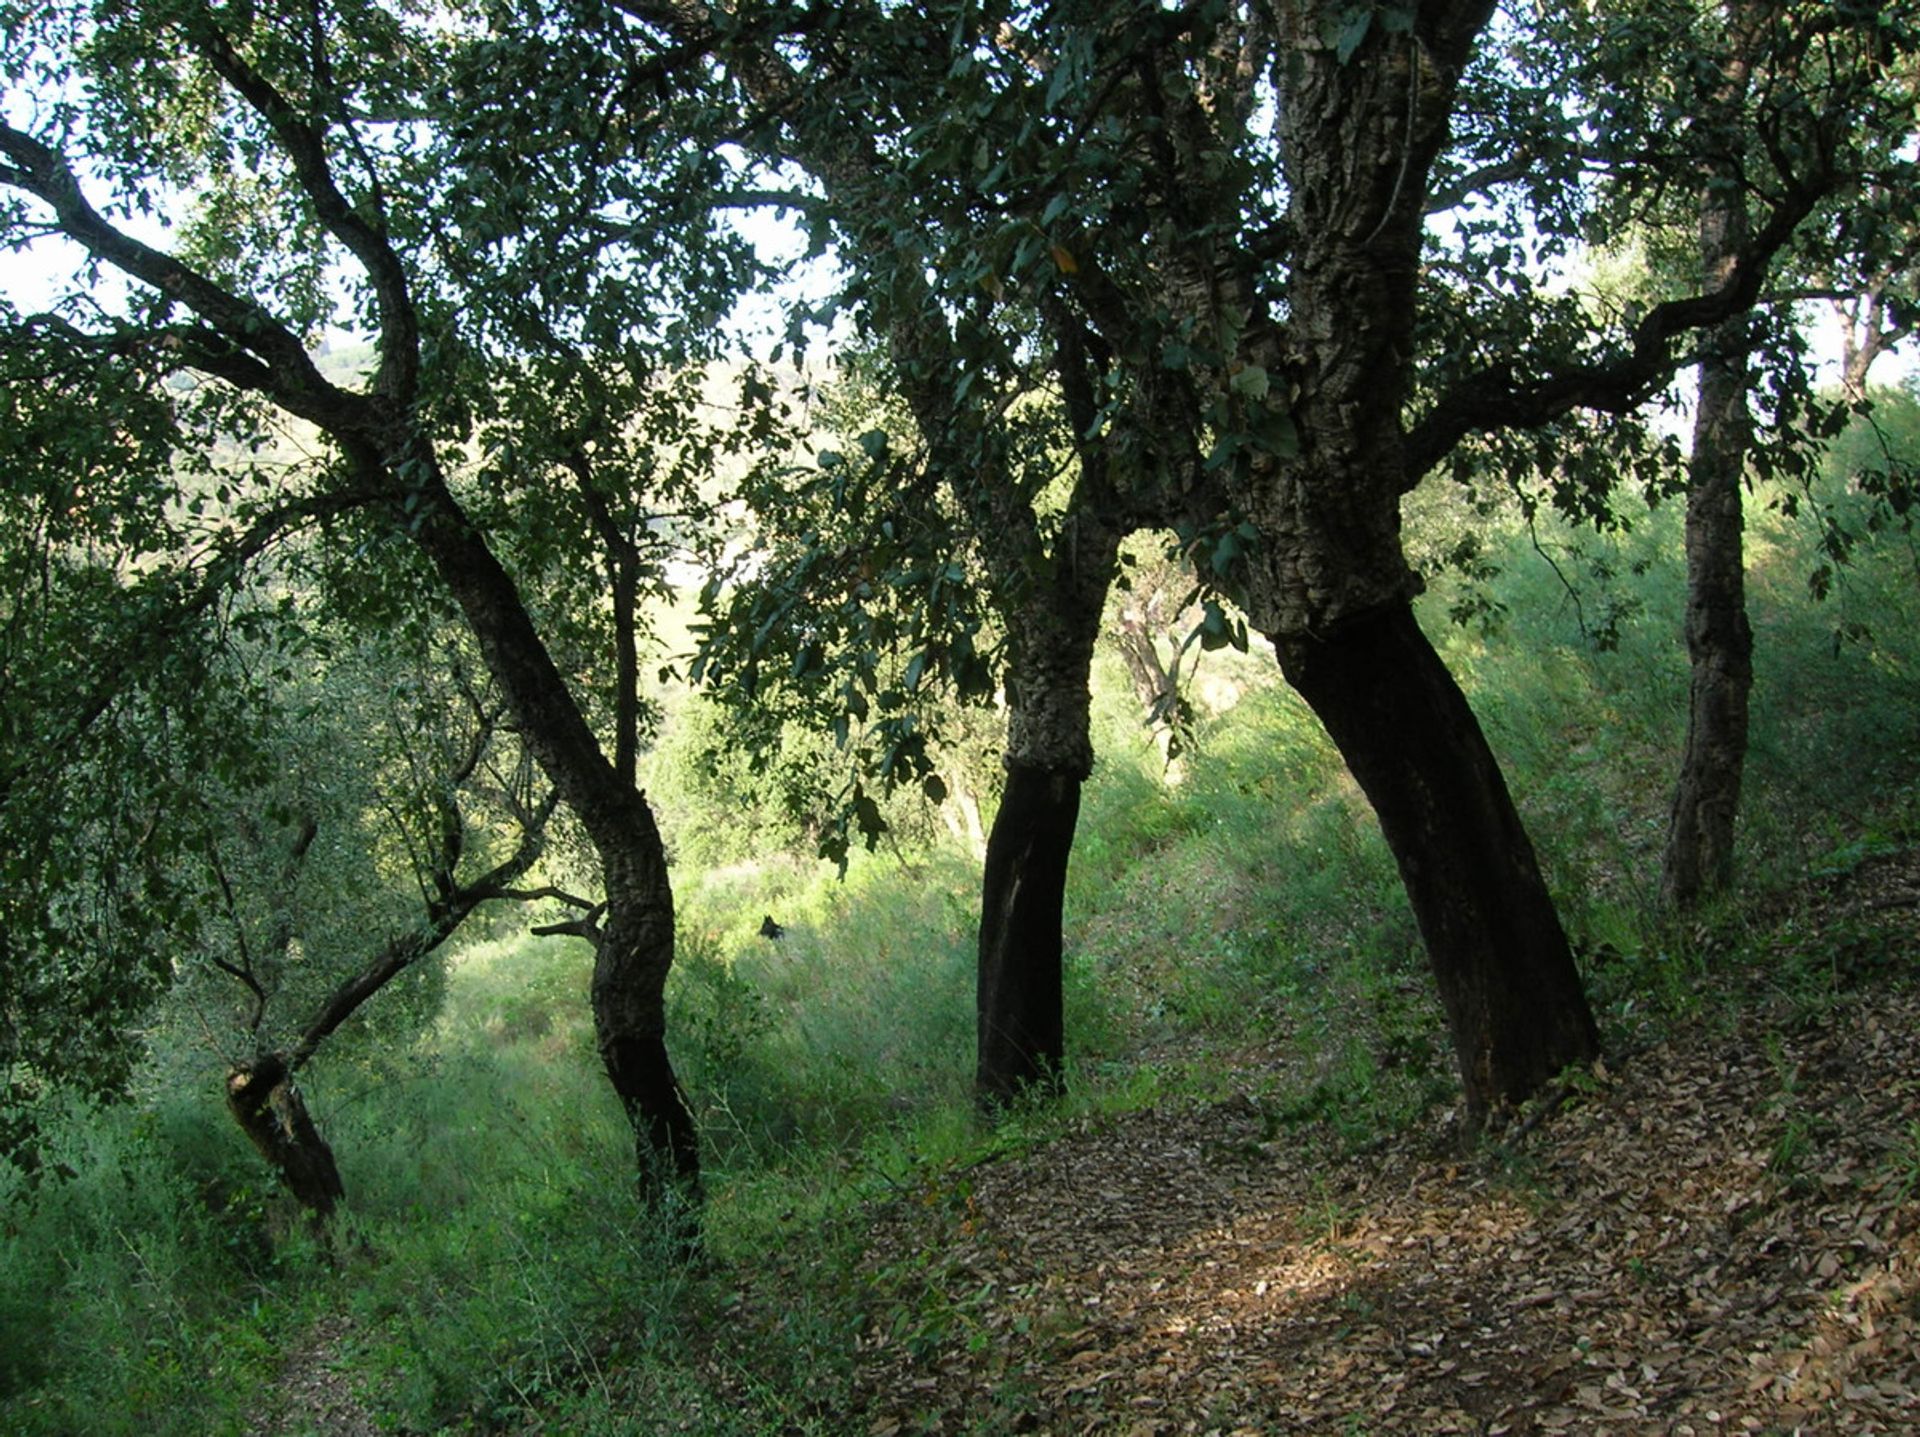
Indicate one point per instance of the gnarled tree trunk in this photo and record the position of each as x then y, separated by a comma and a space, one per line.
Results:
632, 957
1019, 1004
264, 1101
1500, 959
634, 941
1328, 581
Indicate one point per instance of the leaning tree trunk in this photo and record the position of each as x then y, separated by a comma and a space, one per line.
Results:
1019, 1004
1706, 800
634, 942
632, 957
1506, 976
1328, 580
264, 1101
261, 1094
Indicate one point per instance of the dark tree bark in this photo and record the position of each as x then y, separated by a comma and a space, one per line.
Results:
633, 954
1698, 861
1022, 1031
1328, 581
1050, 595
634, 939
1018, 998
383, 437
264, 1101
1309, 407
1700, 834
1506, 977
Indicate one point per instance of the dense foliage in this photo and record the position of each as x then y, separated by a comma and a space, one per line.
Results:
436, 653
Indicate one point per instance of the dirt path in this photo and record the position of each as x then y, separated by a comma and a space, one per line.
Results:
1722, 1236
1720, 1233
316, 1395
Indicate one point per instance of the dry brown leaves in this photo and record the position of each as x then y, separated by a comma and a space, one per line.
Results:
1723, 1235
316, 1391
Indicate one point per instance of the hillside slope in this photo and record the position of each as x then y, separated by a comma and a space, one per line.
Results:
1721, 1232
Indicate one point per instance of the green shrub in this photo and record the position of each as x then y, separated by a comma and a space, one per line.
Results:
150, 1279
1244, 927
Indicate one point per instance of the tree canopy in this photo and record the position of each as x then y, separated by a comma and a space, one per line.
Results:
1244, 273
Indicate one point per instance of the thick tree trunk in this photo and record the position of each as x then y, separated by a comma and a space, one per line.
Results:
264, 1101
1021, 1035
1706, 799
1506, 976
1328, 580
1023, 896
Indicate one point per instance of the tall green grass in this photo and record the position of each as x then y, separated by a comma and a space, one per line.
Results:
858, 1016
137, 1295
1589, 725
494, 1252
1241, 928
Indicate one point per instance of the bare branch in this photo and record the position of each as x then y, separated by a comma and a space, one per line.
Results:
558, 895
243, 970
1491, 399
444, 916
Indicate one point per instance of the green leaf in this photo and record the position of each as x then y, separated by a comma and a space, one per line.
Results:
1353, 32
1225, 552
1276, 433
867, 816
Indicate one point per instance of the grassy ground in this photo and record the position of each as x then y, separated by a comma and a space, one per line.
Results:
1238, 936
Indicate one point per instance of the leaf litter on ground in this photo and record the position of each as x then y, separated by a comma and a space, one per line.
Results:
1719, 1233
1716, 1232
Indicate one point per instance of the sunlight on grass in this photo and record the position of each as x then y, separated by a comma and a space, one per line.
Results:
1242, 933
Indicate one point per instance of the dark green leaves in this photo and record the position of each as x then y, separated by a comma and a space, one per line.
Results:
1346, 27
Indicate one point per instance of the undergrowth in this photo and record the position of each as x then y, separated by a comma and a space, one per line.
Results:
1241, 931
